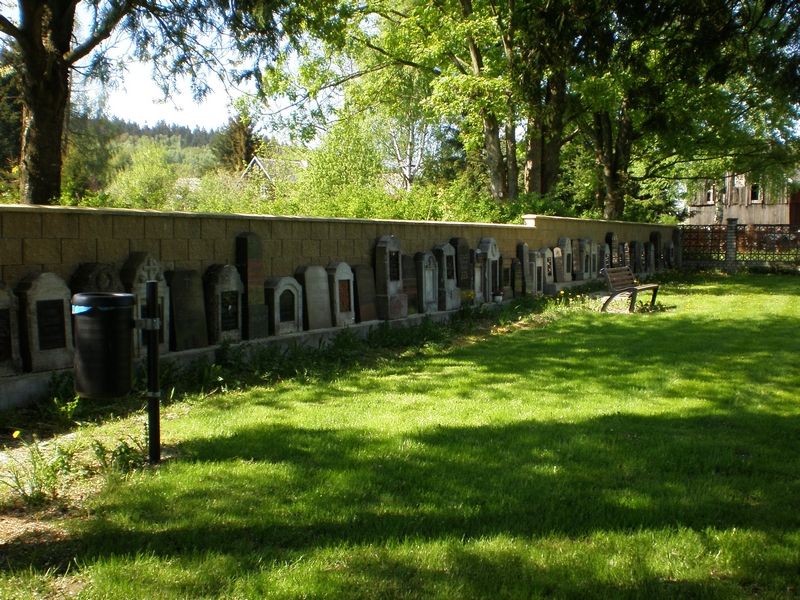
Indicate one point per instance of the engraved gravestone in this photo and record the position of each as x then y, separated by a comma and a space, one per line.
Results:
427, 282
585, 259
223, 292
517, 278
526, 273
604, 257
250, 263
658, 246
284, 300
391, 300
9, 342
624, 254
650, 257
537, 259
316, 296
506, 278
136, 272
594, 259
364, 292
613, 244
465, 271
549, 266
481, 294
577, 267
635, 254
558, 265
95, 277
669, 254
341, 286
188, 327
410, 284
565, 245
494, 281
45, 324
449, 295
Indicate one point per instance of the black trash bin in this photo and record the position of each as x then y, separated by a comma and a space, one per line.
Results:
103, 326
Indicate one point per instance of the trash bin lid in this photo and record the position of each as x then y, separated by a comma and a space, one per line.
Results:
103, 300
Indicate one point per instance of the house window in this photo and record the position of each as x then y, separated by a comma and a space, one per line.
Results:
755, 193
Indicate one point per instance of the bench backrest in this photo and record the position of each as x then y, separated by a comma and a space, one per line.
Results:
619, 278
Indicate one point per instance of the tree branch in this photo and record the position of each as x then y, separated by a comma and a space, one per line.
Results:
9, 28
101, 33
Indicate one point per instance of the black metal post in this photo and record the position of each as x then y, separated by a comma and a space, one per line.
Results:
153, 388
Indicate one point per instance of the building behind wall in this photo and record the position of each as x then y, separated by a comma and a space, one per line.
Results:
749, 201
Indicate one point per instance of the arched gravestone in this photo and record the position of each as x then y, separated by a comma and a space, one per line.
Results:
341, 285
558, 265
223, 292
10, 363
549, 266
449, 296
493, 275
45, 323
614, 259
479, 277
95, 277
565, 245
316, 297
465, 270
136, 272
527, 266
284, 300
250, 263
427, 282
188, 326
391, 300
650, 257
364, 292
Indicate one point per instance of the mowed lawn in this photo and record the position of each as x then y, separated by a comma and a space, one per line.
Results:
597, 456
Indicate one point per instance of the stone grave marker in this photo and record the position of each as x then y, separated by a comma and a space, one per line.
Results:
527, 274
465, 271
364, 291
658, 244
136, 272
635, 254
410, 284
517, 277
549, 263
45, 323
650, 257
594, 263
614, 259
427, 282
624, 254
479, 278
506, 278
577, 267
604, 257
10, 363
449, 296
250, 263
669, 254
223, 291
565, 244
284, 300
494, 281
537, 260
96, 277
584, 261
558, 265
316, 296
391, 300
341, 285
189, 327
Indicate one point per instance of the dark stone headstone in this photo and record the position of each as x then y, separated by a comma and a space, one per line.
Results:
364, 292
390, 297
95, 277
494, 282
284, 300
565, 245
465, 271
316, 296
45, 325
614, 259
518, 277
549, 265
223, 292
250, 263
188, 311
136, 272
527, 274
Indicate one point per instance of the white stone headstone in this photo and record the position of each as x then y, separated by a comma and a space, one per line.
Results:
284, 299
341, 286
45, 323
391, 301
136, 272
316, 296
449, 296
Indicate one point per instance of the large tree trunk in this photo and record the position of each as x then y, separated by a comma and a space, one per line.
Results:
545, 138
613, 158
512, 170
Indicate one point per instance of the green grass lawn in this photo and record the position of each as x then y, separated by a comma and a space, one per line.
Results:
600, 455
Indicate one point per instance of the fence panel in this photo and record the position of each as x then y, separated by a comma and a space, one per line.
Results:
760, 244
703, 245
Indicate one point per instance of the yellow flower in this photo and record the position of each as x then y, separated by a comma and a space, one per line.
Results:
16, 434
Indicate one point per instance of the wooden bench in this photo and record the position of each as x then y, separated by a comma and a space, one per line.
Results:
621, 281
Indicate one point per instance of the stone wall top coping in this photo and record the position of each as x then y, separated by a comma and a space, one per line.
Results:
530, 221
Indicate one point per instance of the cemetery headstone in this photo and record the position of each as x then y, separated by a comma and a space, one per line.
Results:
517, 278
250, 263
341, 285
524, 257
594, 260
558, 264
45, 323
584, 261
604, 257
10, 363
95, 277
655, 239
537, 260
391, 300
494, 282
650, 257
669, 254
449, 296
465, 271
284, 300
410, 284
316, 296
223, 292
615, 259
577, 267
364, 291
624, 254
136, 272
479, 278
189, 328
565, 245
635, 254
549, 266
427, 281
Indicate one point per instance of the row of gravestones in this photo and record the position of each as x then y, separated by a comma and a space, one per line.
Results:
232, 303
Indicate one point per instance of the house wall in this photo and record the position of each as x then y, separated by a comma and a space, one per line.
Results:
756, 214
58, 239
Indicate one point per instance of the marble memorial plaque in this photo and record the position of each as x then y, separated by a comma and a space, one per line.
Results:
316, 296
549, 266
558, 265
45, 324
427, 271
341, 285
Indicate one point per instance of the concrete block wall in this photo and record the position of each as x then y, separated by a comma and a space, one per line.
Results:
58, 239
